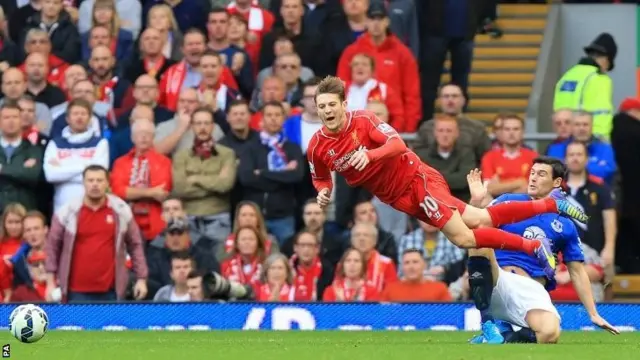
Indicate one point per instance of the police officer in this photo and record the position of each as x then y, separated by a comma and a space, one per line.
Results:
586, 86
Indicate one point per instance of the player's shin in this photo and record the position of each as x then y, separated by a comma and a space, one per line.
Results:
511, 212
502, 240
524, 335
481, 285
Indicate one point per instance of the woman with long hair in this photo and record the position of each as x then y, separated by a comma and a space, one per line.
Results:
248, 214
104, 14
350, 283
276, 280
161, 18
10, 242
244, 264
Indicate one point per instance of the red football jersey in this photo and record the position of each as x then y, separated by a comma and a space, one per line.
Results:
386, 178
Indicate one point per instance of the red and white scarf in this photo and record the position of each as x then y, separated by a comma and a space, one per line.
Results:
359, 96
375, 270
347, 293
220, 90
152, 69
139, 179
248, 274
105, 91
286, 293
306, 279
255, 17
31, 134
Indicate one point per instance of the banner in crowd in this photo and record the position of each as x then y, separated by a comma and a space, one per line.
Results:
252, 316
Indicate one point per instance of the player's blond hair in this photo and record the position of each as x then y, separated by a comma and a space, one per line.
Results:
331, 85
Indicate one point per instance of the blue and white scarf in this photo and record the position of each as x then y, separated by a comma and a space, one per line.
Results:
276, 159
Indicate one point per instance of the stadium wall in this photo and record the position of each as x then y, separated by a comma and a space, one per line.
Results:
335, 316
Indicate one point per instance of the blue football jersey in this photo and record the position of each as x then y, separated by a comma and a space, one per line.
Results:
560, 230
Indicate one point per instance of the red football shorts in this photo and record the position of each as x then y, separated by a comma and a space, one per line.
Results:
428, 198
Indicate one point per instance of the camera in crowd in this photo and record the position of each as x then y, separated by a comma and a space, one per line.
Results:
216, 287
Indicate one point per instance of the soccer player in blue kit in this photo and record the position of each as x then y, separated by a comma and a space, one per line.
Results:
510, 287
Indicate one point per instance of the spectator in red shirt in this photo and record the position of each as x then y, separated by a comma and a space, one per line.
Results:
143, 177
395, 64
350, 283
414, 287
380, 269
244, 264
260, 20
248, 214
312, 273
276, 280
97, 223
507, 169
10, 241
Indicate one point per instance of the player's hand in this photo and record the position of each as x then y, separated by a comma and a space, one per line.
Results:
477, 189
324, 196
603, 324
360, 159
140, 289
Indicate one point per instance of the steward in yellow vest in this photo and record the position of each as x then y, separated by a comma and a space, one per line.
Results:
587, 87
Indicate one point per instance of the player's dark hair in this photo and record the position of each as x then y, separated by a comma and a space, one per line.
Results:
331, 85
95, 168
218, 10
558, 168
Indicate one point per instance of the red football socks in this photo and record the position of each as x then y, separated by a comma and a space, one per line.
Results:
514, 211
502, 240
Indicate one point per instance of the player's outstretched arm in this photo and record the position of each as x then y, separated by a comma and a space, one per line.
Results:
582, 284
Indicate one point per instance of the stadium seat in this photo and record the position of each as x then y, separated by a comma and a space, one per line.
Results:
626, 286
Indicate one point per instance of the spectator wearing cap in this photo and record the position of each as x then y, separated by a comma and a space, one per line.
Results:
203, 177
177, 134
404, 22
37, 41
270, 171
624, 139
446, 27
395, 64
414, 287
177, 238
587, 85
152, 61
234, 58
601, 157
303, 37
66, 156
87, 245
143, 178
177, 291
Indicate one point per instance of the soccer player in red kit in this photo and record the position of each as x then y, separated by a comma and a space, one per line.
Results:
371, 154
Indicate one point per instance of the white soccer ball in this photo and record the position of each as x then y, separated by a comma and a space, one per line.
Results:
28, 323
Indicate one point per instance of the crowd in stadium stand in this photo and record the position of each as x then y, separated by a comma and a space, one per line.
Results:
201, 110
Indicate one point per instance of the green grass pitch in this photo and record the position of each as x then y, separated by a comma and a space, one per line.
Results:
329, 345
